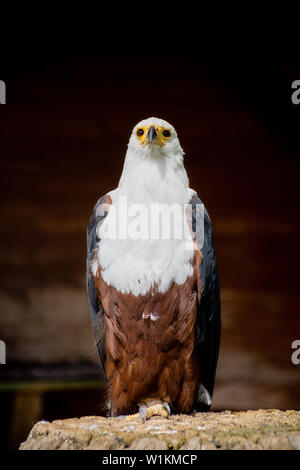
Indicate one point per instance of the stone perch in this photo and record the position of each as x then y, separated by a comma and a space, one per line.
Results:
262, 429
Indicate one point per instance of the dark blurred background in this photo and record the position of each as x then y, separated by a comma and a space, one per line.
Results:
72, 101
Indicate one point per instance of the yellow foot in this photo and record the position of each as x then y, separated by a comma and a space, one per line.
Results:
151, 408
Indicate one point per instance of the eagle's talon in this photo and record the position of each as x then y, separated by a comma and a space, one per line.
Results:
166, 407
143, 412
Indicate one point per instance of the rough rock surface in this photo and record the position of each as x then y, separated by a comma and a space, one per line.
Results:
262, 429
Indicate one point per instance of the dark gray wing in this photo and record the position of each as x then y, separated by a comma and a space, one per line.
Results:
208, 331
97, 313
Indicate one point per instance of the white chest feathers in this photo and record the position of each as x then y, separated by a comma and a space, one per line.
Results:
152, 247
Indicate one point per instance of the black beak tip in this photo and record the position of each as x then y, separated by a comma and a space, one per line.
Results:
151, 133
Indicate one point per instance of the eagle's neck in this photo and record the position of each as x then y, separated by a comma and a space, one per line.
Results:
154, 177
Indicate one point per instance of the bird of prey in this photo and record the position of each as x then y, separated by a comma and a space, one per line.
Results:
153, 284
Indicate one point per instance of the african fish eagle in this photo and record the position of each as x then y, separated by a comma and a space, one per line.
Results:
153, 289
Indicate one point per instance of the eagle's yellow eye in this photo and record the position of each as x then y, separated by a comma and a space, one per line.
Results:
140, 132
166, 133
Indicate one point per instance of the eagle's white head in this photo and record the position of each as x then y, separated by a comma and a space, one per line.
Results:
154, 162
155, 136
